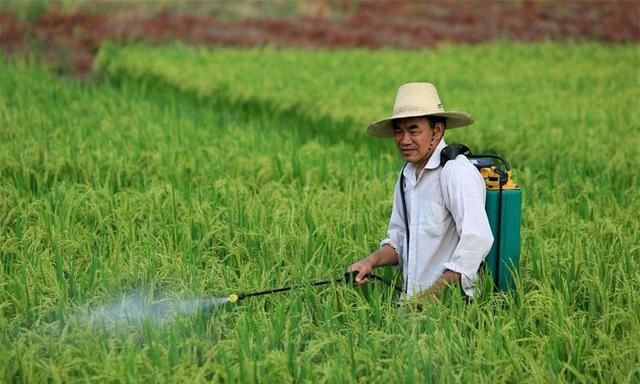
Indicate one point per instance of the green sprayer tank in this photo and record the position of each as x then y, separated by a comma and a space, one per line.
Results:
503, 206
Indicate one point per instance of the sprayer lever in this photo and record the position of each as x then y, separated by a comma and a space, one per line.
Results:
350, 277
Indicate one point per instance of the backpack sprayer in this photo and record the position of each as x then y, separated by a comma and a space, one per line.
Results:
349, 278
503, 205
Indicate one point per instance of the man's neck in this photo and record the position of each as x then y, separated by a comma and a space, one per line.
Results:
422, 163
420, 166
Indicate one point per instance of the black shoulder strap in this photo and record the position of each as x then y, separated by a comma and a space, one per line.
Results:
451, 151
404, 205
406, 217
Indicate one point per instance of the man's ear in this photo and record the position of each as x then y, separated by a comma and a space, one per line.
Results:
439, 129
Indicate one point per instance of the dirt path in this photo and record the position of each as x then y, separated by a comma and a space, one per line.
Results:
70, 40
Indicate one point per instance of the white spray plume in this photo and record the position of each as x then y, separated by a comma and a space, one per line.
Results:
136, 308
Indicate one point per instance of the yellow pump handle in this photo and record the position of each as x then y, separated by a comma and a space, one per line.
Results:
492, 179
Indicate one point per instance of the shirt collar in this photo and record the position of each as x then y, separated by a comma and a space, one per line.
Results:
434, 160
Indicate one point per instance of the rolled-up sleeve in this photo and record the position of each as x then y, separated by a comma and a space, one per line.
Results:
464, 195
396, 232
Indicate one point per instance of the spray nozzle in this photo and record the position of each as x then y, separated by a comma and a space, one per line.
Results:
235, 297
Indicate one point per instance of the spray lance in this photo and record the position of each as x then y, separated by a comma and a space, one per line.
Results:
349, 278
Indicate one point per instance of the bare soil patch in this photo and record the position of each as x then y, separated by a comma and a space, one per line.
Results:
69, 40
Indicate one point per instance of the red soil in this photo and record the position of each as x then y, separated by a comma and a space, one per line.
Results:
70, 40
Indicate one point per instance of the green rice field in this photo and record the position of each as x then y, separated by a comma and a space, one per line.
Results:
182, 174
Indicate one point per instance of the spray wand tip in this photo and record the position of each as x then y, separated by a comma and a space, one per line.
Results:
233, 298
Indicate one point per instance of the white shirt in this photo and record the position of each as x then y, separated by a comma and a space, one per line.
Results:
448, 225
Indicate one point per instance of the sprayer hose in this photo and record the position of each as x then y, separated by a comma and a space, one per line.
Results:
349, 277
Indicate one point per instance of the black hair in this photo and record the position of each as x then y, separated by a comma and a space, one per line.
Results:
433, 120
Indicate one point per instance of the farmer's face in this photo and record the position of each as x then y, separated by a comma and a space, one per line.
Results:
416, 139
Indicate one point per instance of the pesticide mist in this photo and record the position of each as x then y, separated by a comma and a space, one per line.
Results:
139, 308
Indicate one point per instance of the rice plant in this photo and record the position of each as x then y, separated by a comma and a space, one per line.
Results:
184, 175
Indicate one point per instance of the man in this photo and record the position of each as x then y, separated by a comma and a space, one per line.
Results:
448, 232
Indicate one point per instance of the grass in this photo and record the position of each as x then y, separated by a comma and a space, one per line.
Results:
186, 173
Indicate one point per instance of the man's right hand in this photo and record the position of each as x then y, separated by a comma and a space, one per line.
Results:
364, 268
383, 256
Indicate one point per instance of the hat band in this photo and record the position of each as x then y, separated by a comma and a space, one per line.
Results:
414, 111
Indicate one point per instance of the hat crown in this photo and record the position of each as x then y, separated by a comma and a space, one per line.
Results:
414, 100
417, 99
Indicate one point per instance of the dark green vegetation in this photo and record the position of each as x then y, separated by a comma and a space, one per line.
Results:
194, 174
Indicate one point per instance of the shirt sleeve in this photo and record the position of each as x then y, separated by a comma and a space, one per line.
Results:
396, 232
464, 195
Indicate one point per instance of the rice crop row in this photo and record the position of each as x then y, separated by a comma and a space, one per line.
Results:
188, 173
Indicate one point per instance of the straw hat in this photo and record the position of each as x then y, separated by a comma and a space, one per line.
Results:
418, 99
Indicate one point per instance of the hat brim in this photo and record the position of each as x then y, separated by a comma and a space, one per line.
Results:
384, 127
